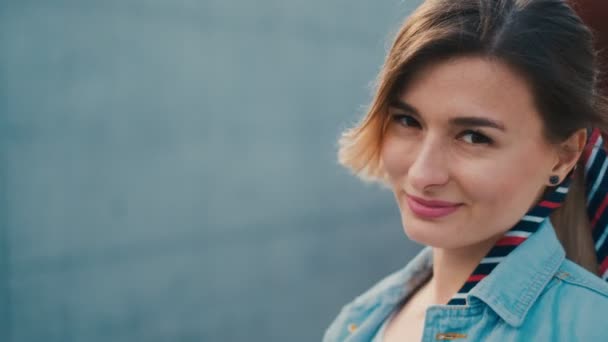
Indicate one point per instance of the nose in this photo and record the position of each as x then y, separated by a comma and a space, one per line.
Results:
429, 168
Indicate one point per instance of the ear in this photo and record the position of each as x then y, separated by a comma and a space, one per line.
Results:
569, 152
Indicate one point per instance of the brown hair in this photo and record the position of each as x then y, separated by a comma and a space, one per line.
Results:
542, 40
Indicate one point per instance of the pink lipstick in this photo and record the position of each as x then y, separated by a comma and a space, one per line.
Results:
431, 208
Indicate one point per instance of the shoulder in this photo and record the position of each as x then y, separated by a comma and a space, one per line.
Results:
354, 313
369, 308
386, 289
576, 303
579, 281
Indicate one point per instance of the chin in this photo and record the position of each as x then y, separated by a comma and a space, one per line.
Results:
432, 234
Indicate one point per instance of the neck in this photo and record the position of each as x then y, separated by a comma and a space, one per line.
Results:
452, 268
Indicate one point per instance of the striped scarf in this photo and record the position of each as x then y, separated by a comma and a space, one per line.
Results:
596, 189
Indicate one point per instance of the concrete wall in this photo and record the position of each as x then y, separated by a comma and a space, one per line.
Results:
168, 168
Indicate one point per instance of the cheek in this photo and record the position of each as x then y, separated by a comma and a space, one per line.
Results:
507, 185
395, 157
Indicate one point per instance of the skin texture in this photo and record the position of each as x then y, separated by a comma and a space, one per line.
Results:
494, 175
494, 182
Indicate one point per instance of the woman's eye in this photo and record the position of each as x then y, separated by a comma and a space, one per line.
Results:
473, 137
406, 120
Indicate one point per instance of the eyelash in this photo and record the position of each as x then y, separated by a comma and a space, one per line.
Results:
485, 139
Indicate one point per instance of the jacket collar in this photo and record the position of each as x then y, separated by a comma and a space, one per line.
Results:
509, 290
517, 281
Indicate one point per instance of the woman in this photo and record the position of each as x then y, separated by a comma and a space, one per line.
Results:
487, 126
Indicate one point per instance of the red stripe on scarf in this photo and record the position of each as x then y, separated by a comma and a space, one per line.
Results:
476, 277
510, 241
599, 212
549, 204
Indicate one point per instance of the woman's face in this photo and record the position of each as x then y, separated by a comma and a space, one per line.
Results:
465, 153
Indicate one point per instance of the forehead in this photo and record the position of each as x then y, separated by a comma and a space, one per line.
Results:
471, 86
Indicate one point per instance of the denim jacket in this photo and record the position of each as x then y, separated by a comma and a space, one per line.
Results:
534, 294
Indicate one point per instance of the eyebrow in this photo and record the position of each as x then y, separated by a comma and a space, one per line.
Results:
467, 121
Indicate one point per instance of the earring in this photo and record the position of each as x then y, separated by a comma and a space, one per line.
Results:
554, 180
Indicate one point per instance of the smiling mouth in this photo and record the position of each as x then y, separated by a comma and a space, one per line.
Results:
431, 209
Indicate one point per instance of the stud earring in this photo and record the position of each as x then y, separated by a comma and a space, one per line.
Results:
554, 180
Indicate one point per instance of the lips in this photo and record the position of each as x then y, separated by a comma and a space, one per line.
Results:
431, 208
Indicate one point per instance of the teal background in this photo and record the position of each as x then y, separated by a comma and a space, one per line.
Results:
168, 168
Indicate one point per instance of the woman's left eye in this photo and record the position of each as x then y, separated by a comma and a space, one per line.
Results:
474, 137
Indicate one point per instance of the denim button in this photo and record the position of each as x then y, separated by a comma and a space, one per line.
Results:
449, 336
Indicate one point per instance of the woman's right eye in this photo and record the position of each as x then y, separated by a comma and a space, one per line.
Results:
405, 120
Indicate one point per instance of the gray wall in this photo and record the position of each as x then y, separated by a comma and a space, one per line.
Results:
168, 169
